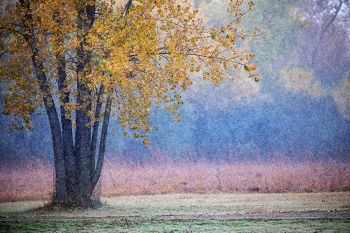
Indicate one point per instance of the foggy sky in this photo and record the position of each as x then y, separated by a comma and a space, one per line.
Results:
300, 108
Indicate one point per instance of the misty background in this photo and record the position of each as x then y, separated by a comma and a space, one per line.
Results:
300, 108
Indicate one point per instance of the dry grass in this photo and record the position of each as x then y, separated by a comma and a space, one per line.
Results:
34, 180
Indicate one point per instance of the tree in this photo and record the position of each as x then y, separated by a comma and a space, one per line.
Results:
324, 41
86, 61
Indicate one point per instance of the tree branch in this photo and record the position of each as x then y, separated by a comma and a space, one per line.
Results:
127, 7
337, 10
3, 52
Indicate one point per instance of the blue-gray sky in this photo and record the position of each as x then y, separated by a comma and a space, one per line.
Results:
300, 108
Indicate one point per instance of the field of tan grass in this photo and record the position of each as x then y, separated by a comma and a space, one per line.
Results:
33, 180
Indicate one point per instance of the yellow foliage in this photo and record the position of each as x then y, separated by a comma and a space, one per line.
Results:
249, 67
139, 58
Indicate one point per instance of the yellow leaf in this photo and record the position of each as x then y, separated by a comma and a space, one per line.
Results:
249, 67
146, 142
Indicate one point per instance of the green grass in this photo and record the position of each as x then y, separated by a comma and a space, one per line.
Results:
148, 206
187, 213
242, 225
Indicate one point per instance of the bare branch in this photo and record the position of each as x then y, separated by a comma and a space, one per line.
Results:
127, 7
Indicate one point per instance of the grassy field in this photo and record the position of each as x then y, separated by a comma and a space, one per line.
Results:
33, 180
287, 212
242, 225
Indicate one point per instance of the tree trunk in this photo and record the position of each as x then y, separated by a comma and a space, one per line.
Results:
82, 149
60, 173
83, 131
75, 172
60, 194
71, 162
96, 128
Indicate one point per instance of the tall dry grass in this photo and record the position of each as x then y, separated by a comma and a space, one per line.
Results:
34, 179
29, 180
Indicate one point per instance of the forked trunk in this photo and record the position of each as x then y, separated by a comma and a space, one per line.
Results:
76, 173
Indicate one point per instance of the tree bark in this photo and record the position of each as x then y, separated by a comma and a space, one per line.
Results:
96, 128
82, 149
83, 131
60, 173
102, 148
71, 163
